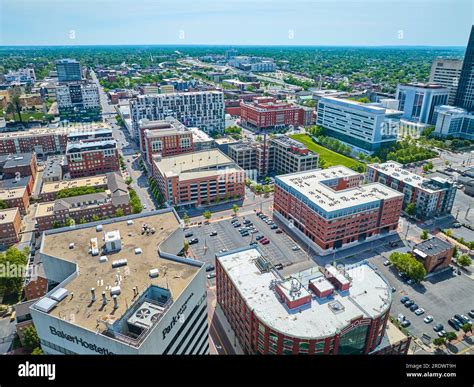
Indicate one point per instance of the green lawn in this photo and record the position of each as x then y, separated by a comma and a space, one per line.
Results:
330, 157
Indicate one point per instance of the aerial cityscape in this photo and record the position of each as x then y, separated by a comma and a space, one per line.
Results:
220, 199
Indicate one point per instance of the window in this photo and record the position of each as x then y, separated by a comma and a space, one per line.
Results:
353, 342
156, 146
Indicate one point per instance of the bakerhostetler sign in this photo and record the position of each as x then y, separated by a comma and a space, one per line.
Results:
80, 341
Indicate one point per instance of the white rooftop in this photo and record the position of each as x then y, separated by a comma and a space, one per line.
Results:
369, 296
395, 170
313, 185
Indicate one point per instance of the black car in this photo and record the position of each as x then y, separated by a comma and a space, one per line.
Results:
413, 307
253, 243
210, 267
409, 303
237, 225
460, 318
471, 313
247, 221
259, 237
214, 233
193, 241
455, 324
274, 227
279, 266
438, 327
188, 235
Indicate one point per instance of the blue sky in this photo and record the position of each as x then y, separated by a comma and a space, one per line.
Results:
233, 22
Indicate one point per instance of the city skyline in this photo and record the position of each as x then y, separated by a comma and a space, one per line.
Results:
277, 23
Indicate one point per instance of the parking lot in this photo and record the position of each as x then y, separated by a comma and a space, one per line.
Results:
279, 250
441, 296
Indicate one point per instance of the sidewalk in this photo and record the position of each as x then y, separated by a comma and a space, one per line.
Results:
229, 332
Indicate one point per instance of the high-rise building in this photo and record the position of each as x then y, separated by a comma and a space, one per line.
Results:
454, 121
68, 70
419, 100
78, 102
330, 208
203, 109
119, 291
446, 72
465, 94
366, 127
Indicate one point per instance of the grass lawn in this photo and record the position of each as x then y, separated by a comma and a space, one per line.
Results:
330, 157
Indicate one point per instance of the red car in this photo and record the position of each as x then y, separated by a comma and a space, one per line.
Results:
264, 241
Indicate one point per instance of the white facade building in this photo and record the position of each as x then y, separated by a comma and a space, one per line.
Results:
204, 109
366, 127
122, 302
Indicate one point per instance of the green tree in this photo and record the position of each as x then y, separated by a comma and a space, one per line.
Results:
409, 265
464, 260
450, 336
186, 218
82, 221
207, 214
439, 341
424, 235
267, 180
467, 327
235, 209
3, 204
95, 218
70, 222
119, 212
15, 101
248, 182
37, 351
30, 337
410, 209
449, 233
185, 246
266, 190
11, 282
258, 188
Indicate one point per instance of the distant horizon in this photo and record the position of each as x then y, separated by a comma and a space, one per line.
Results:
337, 23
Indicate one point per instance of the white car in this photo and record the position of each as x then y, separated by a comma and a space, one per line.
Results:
144, 206
428, 319
400, 317
386, 263
419, 311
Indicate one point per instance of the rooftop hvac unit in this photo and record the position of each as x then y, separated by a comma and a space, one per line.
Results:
45, 304
99, 227
115, 291
119, 262
153, 273
146, 315
138, 250
59, 294
103, 259
129, 222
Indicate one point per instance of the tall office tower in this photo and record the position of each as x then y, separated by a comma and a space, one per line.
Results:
446, 72
419, 100
465, 93
68, 70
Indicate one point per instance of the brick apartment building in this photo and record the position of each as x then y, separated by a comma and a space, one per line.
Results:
197, 178
16, 197
89, 158
50, 190
42, 141
10, 224
431, 196
315, 311
82, 208
18, 165
330, 208
266, 113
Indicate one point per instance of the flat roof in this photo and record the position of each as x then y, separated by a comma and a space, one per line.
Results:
395, 170
432, 246
92, 181
369, 297
12, 193
54, 130
312, 185
91, 273
197, 164
8, 215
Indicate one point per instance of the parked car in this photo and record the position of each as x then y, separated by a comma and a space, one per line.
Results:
409, 303
211, 275
188, 235
214, 233
274, 227
258, 237
404, 299
253, 243
265, 242
414, 307
410, 282
400, 317
405, 323
419, 311
466, 320
245, 233
442, 333
386, 263
278, 231
454, 324
210, 267
237, 225
471, 313
393, 290
428, 319
438, 327
193, 241
279, 266
457, 225
295, 248
254, 231
247, 221
222, 251
460, 318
